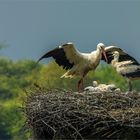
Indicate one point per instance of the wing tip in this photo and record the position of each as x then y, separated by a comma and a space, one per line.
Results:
39, 60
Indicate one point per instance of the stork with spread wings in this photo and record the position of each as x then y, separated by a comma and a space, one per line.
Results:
75, 62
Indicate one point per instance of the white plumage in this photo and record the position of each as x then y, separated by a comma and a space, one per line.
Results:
102, 88
128, 69
125, 64
83, 62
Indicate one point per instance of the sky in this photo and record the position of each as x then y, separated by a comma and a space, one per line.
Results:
30, 28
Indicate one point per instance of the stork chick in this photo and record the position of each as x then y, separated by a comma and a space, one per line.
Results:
128, 69
75, 62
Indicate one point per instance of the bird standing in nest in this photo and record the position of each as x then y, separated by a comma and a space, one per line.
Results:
125, 58
75, 62
129, 69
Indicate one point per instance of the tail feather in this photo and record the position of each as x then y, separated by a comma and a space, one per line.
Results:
67, 75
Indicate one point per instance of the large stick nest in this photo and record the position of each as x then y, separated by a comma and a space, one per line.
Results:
60, 114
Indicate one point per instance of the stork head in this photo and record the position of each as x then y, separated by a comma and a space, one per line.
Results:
68, 43
101, 47
116, 55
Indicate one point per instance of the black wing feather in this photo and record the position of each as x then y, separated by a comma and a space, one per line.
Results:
127, 57
60, 58
109, 57
135, 74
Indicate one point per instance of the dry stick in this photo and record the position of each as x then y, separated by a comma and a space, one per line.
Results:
49, 126
113, 133
69, 124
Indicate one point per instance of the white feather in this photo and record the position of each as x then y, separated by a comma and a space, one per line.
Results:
83, 62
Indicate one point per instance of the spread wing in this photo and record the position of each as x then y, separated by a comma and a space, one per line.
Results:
66, 55
123, 56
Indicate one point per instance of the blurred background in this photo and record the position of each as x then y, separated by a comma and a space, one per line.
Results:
29, 28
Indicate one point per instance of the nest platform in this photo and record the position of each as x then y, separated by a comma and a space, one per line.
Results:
62, 114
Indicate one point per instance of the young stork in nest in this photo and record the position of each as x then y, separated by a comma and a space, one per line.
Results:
75, 62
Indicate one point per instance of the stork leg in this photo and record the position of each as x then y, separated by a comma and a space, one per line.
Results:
129, 85
80, 85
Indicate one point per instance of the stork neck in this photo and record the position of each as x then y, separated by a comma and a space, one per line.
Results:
98, 53
116, 58
114, 61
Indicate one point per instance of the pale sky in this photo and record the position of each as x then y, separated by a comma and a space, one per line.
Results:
32, 27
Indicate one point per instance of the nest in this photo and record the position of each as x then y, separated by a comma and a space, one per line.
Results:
61, 114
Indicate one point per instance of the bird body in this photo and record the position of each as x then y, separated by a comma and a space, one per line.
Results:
102, 88
125, 64
86, 62
75, 62
128, 69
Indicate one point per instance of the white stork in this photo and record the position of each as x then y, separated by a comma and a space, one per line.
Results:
129, 68
124, 63
75, 62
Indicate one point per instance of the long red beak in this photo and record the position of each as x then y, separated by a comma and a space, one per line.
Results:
104, 53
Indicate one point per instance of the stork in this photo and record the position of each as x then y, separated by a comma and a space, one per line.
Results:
125, 60
75, 62
128, 68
